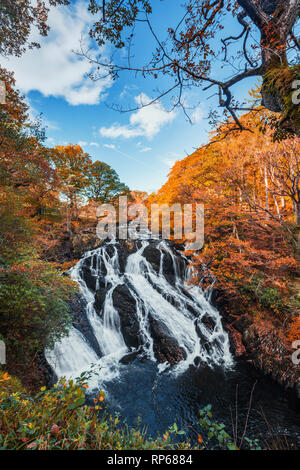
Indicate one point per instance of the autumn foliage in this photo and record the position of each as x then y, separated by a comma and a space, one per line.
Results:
249, 186
42, 191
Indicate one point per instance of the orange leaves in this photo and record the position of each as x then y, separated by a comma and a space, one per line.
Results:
294, 331
5, 377
245, 182
99, 399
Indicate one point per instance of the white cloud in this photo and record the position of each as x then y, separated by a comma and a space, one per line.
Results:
145, 149
83, 143
109, 146
127, 90
54, 69
147, 121
197, 115
116, 130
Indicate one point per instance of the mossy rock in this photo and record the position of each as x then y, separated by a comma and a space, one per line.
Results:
278, 92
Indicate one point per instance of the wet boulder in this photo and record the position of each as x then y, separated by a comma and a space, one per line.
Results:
124, 249
125, 304
152, 255
89, 278
166, 348
208, 322
242, 323
130, 357
100, 296
202, 338
77, 308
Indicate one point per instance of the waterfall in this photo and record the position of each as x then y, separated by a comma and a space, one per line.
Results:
158, 295
71, 353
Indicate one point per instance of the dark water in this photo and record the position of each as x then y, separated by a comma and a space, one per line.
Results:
160, 400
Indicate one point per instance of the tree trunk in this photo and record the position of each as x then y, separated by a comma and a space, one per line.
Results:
275, 20
277, 207
267, 193
297, 210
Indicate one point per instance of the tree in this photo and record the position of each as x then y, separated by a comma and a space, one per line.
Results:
72, 168
103, 183
17, 18
265, 47
249, 186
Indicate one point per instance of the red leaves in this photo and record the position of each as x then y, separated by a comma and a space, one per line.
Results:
55, 430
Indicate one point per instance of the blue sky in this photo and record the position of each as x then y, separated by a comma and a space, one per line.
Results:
141, 146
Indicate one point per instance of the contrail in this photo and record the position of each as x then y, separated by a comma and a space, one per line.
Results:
131, 158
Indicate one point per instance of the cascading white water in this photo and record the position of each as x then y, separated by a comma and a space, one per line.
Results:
180, 308
71, 353
107, 330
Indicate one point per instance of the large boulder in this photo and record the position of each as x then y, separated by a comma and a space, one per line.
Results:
166, 348
152, 255
87, 275
125, 304
100, 295
77, 308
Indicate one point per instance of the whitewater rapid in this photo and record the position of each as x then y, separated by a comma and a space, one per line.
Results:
178, 306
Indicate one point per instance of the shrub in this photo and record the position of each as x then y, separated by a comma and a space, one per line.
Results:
58, 419
33, 308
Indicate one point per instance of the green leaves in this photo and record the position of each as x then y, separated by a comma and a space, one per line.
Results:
33, 308
216, 431
103, 183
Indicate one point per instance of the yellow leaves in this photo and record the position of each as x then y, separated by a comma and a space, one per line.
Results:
99, 399
43, 389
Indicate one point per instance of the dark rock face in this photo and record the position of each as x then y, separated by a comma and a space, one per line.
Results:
242, 323
80, 321
130, 357
89, 279
100, 296
168, 268
123, 252
208, 322
126, 307
152, 255
165, 348
297, 396
46, 374
203, 340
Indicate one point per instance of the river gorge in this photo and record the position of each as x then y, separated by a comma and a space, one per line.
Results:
158, 347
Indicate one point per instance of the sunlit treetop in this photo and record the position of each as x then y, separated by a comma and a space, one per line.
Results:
17, 18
